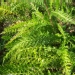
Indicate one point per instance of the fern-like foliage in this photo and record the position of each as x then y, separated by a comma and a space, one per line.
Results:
39, 46
64, 16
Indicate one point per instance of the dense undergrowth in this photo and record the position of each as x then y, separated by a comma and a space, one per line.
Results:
38, 38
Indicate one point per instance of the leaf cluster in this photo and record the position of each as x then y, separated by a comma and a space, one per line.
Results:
41, 45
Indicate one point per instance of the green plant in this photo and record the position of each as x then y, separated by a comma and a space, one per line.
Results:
11, 15
40, 46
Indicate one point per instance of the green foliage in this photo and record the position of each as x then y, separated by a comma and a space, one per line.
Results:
40, 45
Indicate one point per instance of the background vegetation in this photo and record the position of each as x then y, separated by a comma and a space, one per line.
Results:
37, 37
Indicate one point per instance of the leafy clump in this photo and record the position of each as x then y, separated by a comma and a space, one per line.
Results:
40, 45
